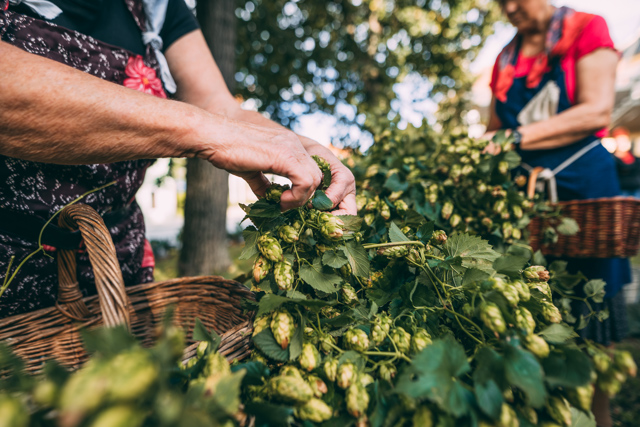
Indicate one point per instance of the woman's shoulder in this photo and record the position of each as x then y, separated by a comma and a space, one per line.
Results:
595, 35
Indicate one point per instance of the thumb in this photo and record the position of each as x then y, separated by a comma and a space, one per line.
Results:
257, 182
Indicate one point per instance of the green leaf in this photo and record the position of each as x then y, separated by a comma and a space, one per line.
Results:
321, 202
268, 414
268, 345
317, 279
489, 398
394, 183
270, 302
558, 333
250, 235
580, 419
255, 372
539, 259
200, 333
510, 265
567, 367
395, 235
351, 222
523, 371
473, 275
227, 392
358, 258
295, 347
264, 209
334, 259
568, 227
513, 159
594, 289
475, 252
425, 232
433, 375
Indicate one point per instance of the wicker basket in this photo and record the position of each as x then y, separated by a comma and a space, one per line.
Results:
609, 228
53, 333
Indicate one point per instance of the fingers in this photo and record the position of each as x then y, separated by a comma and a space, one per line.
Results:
305, 177
347, 206
342, 189
258, 182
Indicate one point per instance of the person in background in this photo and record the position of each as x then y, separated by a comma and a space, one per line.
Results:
553, 89
627, 165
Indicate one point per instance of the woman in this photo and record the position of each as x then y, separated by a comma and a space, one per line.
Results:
76, 113
553, 87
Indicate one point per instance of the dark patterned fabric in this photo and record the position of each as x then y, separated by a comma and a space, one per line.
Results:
42, 189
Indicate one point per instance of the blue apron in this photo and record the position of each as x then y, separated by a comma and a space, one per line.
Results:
591, 176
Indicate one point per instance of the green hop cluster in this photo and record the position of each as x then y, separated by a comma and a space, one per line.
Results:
314, 410
274, 192
439, 237
290, 389
524, 320
401, 206
559, 409
348, 294
447, 210
283, 275
422, 417
288, 233
282, 327
346, 375
357, 400
326, 343
394, 251
537, 272
491, 315
388, 372
310, 357
356, 339
420, 340
318, 386
537, 345
401, 338
331, 226
581, 397
261, 268
270, 248
551, 313
330, 368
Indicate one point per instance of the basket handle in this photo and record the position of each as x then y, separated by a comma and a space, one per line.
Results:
114, 303
533, 179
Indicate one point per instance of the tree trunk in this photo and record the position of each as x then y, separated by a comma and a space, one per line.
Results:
204, 237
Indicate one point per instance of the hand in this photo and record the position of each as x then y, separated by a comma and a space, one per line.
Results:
249, 151
342, 190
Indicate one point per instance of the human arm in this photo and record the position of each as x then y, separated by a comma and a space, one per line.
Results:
200, 83
595, 90
60, 115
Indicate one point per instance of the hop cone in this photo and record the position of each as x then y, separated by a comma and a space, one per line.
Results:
536, 272
401, 206
423, 417
420, 340
314, 410
282, 327
349, 295
290, 371
317, 385
290, 389
346, 375
260, 324
439, 237
288, 234
508, 416
330, 369
377, 334
356, 339
261, 268
523, 290
385, 211
357, 400
559, 410
511, 295
492, 317
624, 361
447, 210
401, 338
537, 345
524, 320
394, 251
388, 372
283, 274
331, 226
551, 313
581, 397
270, 248
326, 344
309, 358
274, 192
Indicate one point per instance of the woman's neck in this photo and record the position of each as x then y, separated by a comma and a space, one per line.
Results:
533, 40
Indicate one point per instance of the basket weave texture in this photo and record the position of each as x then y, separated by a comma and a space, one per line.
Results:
609, 228
54, 332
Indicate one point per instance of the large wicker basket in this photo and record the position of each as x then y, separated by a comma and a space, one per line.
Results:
53, 333
609, 228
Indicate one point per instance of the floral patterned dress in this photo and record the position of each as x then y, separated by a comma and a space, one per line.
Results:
39, 189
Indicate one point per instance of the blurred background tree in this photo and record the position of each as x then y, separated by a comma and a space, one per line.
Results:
343, 57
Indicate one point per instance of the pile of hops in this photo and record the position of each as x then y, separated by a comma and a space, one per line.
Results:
407, 324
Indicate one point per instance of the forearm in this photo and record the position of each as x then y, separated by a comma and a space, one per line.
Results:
565, 128
61, 115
